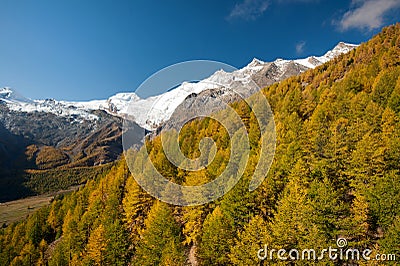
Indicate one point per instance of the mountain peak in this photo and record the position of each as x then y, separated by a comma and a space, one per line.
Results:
340, 48
5, 92
255, 62
9, 95
345, 44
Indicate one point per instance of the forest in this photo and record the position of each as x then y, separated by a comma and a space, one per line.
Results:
335, 175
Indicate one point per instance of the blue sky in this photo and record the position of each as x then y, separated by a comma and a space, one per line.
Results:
82, 50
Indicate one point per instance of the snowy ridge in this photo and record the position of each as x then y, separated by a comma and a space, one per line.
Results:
9, 96
314, 61
18, 103
149, 113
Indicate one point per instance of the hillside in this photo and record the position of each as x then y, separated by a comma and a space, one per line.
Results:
45, 142
335, 175
49, 134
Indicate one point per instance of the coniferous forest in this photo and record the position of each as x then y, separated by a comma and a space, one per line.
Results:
335, 174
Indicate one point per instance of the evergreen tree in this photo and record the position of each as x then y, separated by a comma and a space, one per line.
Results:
117, 250
161, 230
97, 246
216, 239
193, 216
390, 243
136, 204
291, 223
42, 249
172, 253
254, 237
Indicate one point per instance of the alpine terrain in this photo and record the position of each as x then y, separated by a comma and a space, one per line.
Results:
39, 136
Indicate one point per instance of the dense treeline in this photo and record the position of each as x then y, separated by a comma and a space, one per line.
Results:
45, 181
30, 182
335, 174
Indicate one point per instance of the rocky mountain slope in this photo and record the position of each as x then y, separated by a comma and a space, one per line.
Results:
33, 144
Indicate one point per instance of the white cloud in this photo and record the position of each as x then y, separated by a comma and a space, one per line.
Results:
367, 14
300, 47
249, 9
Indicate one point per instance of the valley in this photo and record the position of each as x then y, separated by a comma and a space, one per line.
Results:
335, 176
13, 211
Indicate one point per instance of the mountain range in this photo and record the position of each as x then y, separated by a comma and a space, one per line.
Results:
151, 112
47, 134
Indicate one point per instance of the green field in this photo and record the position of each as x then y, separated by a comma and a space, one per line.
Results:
19, 209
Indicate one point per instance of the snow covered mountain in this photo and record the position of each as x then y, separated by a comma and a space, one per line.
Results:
151, 112
11, 97
18, 103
